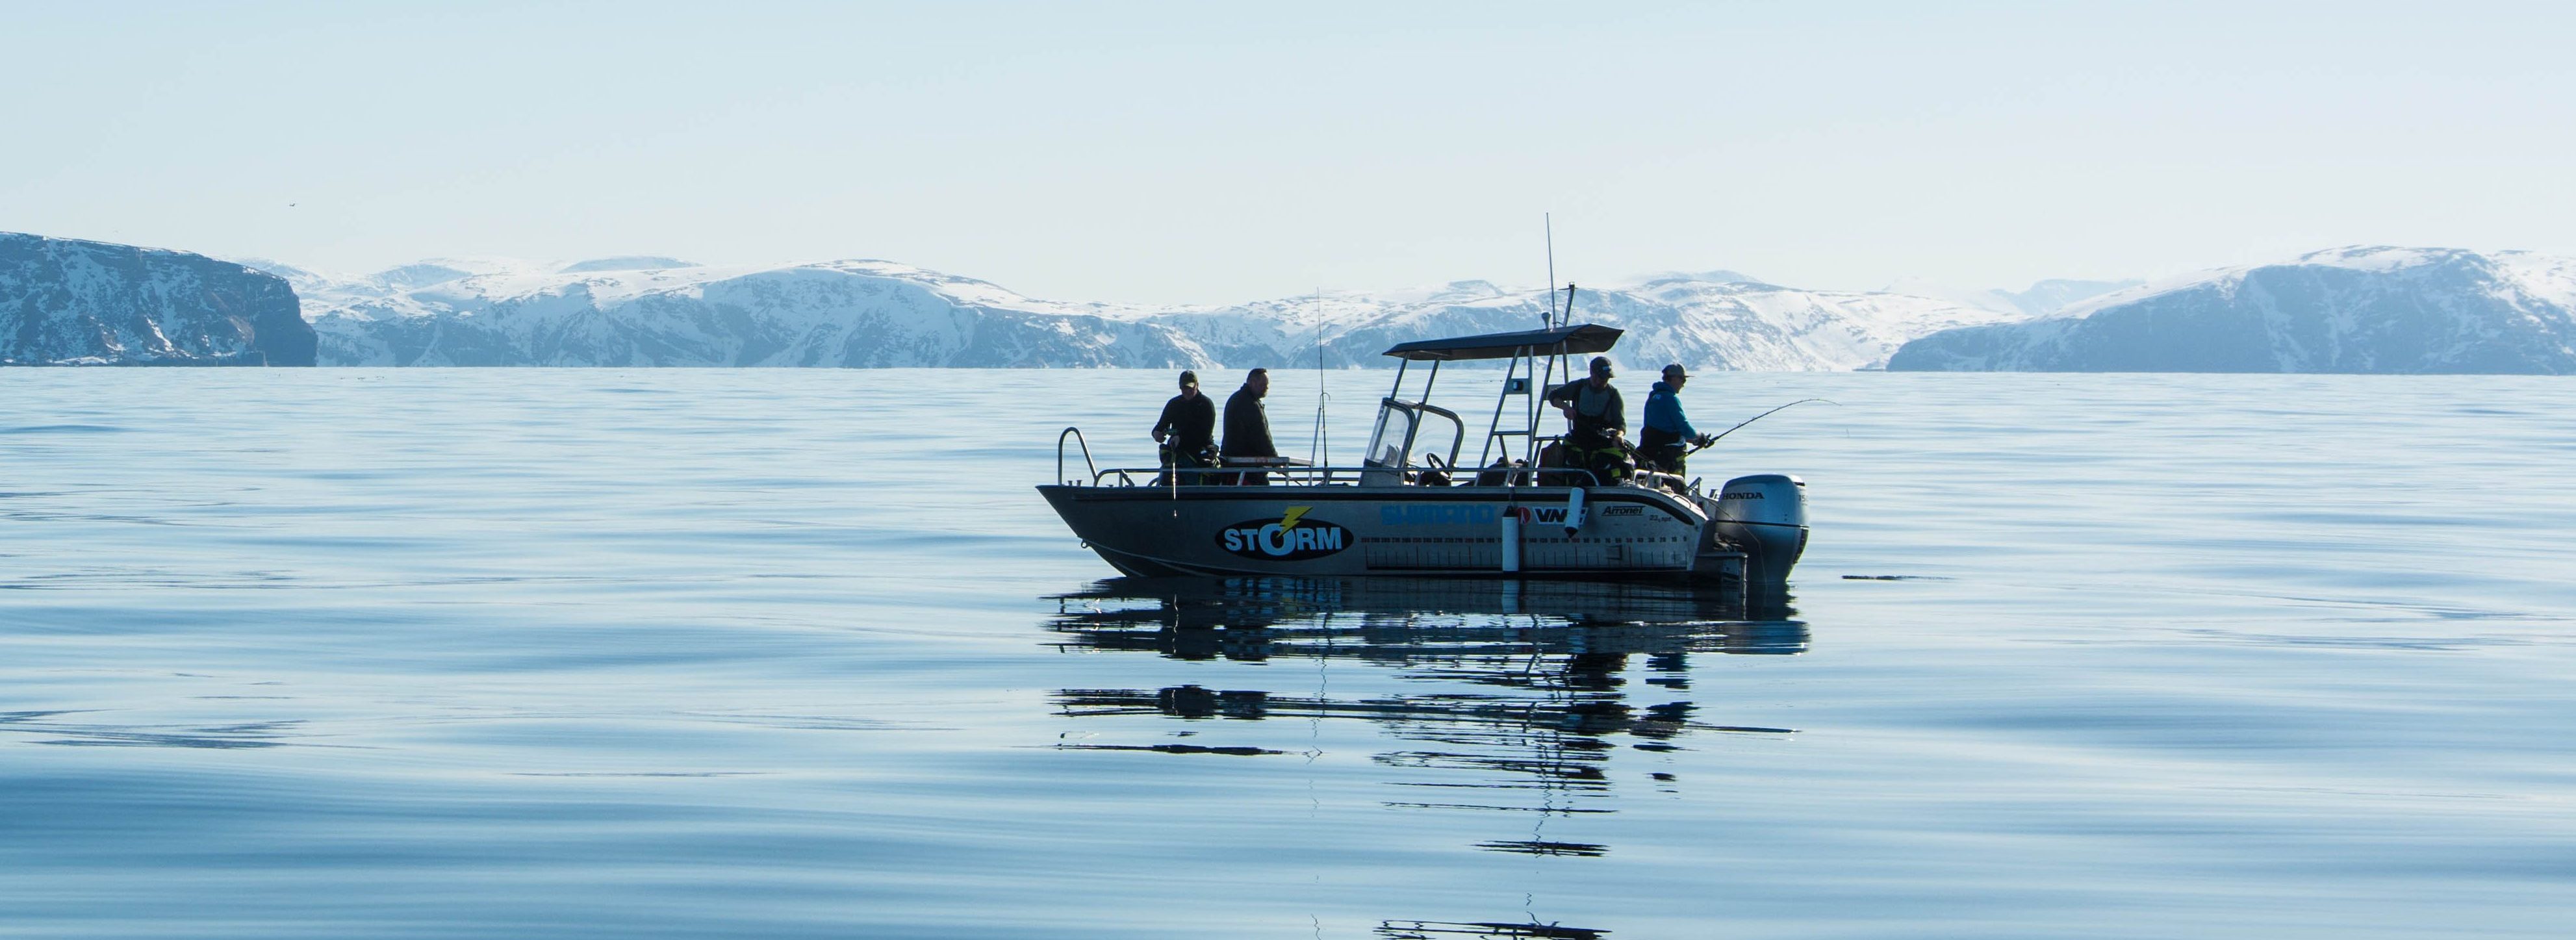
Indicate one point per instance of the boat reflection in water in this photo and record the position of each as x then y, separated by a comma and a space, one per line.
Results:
1503, 695
1437, 930
1254, 618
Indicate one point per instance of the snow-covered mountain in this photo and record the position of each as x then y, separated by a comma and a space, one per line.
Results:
2362, 309
646, 311
2043, 298
633, 312
2358, 309
70, 302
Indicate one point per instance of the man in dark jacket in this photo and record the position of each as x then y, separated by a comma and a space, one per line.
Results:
1247, 427
1660, 445
1187, 431
1599, 418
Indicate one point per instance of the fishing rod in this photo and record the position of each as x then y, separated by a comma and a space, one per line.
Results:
1320, 452
1740, 426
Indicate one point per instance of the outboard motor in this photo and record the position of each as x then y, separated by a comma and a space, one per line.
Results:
1765, 515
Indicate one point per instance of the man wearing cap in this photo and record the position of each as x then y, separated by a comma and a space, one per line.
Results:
1660, 445
1189, 421
1599, 417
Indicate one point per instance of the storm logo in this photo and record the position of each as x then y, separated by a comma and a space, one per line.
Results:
1292, 537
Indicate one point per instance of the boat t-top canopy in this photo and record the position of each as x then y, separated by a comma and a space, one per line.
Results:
1564, 340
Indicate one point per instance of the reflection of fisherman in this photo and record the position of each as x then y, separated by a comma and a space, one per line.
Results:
1667, 429
1247, 428
1599, 417
1189, 423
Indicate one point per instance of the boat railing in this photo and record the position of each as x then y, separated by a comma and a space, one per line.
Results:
1294, 472
1076, 434
1312, 476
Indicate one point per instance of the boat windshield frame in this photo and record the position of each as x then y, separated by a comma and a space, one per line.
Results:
1381, 471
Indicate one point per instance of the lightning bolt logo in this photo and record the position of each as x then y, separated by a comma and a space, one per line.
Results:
1289, 521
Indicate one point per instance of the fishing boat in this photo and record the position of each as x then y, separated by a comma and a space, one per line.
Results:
1411, 508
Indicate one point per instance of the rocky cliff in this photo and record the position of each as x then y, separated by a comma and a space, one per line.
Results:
70, 302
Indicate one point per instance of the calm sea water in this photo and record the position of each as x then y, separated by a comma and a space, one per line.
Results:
448, 653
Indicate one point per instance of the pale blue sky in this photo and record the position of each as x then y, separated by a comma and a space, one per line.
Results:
1218, 152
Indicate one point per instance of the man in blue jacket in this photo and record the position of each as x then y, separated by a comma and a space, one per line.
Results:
1667, 429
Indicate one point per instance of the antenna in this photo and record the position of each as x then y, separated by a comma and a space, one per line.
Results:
1548, 219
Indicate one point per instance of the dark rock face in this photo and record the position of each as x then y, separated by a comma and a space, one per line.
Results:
70, 302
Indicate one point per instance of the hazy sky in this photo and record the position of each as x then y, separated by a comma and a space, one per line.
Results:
1211, 152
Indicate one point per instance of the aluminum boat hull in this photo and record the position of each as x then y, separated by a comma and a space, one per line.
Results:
1623, 532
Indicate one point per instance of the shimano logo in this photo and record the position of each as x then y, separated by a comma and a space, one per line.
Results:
1436, 514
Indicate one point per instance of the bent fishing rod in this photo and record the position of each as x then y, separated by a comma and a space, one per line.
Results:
1712, 442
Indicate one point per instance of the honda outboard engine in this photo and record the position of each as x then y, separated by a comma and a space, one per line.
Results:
1765, 516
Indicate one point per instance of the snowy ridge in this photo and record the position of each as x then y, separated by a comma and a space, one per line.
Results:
2371, 309
70, 302
631, 312
843, 313
2043, 298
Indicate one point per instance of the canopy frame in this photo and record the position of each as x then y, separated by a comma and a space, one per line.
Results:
1560, 341
1536, 357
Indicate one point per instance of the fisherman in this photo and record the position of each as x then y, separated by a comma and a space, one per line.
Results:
1187, 432
1599, 418
1667, 430
1247, 430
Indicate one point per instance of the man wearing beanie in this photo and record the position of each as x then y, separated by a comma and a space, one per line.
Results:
1189, 421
